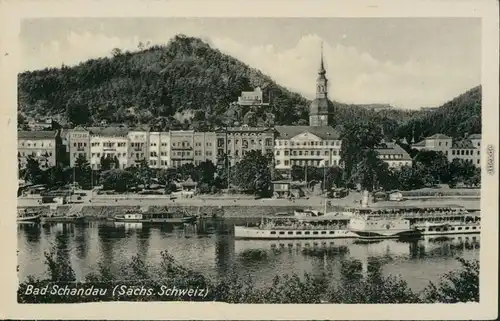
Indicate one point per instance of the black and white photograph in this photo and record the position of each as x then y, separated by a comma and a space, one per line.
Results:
252, 160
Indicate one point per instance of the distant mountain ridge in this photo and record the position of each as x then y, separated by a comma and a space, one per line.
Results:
189, 84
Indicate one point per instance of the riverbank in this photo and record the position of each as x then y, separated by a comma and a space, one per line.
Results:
235, 207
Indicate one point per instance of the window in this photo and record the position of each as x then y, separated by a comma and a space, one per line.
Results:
332, 232
307, 233
323, 232
278, 162
298, 233
290, 232
286, 153
315, 232
277, 153
282, 233
326, 153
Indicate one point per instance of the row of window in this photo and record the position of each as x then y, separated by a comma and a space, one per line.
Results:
392, 156
305, 232
305, 153
463, 152
39, 153
155, 162
308, 143
445, 229
34, 144
245, 142
310, 162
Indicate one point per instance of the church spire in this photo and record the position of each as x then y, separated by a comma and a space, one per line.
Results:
322, 70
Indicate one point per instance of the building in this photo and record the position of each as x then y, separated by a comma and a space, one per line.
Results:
320, 111
138, 146
78, 143
436, 142
306, 145
468, 149
253, 98
394, 155
44, 146
205, 147
109, 142
159, 149
235, 142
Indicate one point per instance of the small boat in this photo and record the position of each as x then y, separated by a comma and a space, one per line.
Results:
166, 217
28, 217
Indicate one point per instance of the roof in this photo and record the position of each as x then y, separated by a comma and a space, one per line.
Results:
419, 144
108, 131
394, 149
438, 136
463, 144
37, 134
248, 129
474, 136
323, 132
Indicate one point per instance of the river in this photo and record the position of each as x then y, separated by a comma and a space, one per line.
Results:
214, 252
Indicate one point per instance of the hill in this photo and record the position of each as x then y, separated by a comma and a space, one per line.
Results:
457, 118
154, 85
189, 84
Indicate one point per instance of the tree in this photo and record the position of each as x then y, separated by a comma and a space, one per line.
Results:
116, 179
32, 171
77, 112
358, 142
143, 173
253, 174
83, 172
108, 162
371, 172
456, 286
206, 171
434, 164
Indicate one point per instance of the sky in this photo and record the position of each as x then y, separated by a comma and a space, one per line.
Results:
406, 62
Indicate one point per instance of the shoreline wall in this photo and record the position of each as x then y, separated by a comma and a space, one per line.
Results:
105, 211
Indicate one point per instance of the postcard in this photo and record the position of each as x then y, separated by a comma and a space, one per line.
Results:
250, 160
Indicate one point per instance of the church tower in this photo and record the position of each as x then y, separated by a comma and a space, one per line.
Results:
319, 109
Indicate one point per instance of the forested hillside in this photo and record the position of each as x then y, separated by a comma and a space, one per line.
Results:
456, 118
153, 85
189, 84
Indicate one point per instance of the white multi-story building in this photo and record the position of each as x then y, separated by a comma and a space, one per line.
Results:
468, 149
306, 145
112, 142
159, 149
138, 146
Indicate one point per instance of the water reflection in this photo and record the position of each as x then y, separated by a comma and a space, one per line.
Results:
209, 248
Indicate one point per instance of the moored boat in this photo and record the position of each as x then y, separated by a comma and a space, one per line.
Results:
280, 228
63, 219
172, 218
28, 217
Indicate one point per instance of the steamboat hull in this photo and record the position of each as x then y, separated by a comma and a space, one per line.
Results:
249, 233
74, 220
373, 235
180, 220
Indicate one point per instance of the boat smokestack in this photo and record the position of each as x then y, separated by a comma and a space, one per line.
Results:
364, 199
